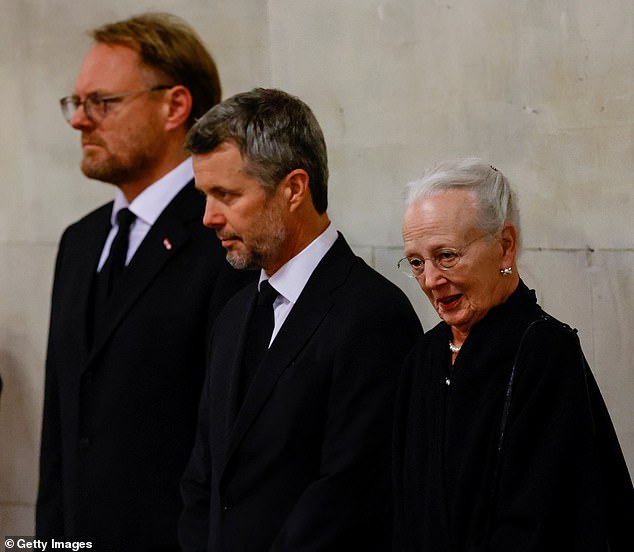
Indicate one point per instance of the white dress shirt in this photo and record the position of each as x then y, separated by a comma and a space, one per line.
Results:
290, 280
147, 207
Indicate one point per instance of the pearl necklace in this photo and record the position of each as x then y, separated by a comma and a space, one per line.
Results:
454, 348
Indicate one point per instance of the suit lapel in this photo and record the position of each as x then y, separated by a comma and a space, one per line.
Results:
85, 260
312, 306
237, 358
167, 236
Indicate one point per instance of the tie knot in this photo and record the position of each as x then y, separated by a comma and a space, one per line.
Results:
125, 218
267, 294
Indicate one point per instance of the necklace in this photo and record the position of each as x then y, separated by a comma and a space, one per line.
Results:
454, 348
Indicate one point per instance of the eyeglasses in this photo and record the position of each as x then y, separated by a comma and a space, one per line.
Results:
445, 259
96, 106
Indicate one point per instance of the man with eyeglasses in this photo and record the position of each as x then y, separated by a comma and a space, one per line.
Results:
136, 282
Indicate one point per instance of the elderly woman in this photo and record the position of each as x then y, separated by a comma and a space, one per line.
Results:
502, 440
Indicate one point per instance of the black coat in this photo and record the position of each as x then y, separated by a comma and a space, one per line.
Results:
305, 464
121, 398
562, 483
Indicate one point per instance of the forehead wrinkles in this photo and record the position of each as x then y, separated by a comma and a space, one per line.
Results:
445, 219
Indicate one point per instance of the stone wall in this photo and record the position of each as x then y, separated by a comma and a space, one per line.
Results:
544, 90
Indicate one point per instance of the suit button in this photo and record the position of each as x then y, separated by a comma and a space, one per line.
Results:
227, 507
84, 443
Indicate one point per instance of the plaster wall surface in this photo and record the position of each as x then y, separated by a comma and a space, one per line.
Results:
543, 90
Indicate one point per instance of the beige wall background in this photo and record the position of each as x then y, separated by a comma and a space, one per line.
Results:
542, 89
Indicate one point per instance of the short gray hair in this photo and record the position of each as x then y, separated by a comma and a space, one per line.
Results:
494, 196
276, 133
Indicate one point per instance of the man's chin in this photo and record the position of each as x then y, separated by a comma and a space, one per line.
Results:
104, 172
94, 171
240, 262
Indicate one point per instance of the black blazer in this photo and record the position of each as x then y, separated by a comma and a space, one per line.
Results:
305, 463
121, 399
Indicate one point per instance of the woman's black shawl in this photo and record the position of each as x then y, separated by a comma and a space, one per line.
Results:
559, 482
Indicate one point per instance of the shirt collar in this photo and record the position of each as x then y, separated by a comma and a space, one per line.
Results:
151, 202
290, 280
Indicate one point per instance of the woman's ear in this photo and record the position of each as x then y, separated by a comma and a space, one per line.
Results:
508, 241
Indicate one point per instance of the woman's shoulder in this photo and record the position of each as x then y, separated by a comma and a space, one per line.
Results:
546, 330
550, 353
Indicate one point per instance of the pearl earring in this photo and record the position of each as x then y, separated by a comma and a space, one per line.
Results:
506, 271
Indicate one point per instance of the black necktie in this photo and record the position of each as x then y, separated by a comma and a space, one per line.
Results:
115, 263
259, 335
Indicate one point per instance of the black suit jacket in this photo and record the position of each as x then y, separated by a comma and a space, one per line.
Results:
121, 398
305, 464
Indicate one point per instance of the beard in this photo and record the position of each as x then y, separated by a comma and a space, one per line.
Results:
104, 165
261, 245
110, 171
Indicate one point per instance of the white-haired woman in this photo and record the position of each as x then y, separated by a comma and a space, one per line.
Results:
502, 440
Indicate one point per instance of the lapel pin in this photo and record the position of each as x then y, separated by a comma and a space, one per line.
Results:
167, 244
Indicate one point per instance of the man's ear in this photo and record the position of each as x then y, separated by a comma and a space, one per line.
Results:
296, 188
178, 106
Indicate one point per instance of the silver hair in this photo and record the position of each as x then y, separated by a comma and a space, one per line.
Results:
276, 133
494, 196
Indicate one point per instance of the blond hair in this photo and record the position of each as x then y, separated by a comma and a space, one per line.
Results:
168, 45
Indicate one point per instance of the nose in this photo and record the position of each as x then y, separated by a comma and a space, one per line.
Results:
213, 217
80, 120
432, 277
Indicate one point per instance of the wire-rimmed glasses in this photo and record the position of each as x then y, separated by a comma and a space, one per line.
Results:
444, 259
96, 105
